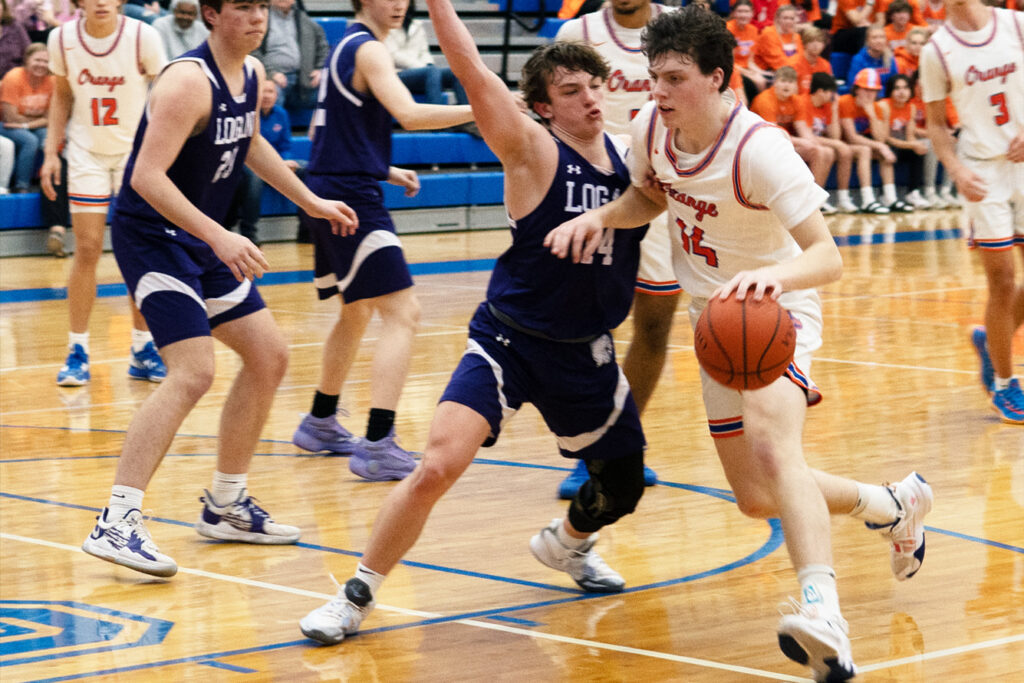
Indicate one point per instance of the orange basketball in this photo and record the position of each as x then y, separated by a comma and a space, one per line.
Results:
744, 344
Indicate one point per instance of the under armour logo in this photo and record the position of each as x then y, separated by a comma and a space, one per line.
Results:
502, 339
573, 169
223, 107
172, 233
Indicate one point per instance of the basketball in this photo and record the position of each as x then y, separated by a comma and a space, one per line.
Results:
744, 344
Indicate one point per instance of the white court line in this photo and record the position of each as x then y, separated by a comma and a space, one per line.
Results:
465, 622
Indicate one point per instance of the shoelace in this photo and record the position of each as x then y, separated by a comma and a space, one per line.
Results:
255, 511
1014, 397
334, 607
149, 356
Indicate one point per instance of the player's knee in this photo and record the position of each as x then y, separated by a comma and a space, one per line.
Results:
193, 381
434, 475
612, 492
754, 502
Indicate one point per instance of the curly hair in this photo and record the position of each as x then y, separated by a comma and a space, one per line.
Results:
546, 59
692, 31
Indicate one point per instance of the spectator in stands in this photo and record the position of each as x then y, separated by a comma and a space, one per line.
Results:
861, 124
742, 28
293, 52
276, 127
779, 41
898, 24
143, 10
13, 39
905, 59
809, 61
943, 198
808, 13
850, 24
24, 99
875, 55
39, 16
416, 69
6, 164
780, 105
350, 157
764, 13
179, 30
821, 106
897, 114
933, 12
882, 12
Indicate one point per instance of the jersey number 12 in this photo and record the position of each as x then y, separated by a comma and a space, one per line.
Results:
104, 111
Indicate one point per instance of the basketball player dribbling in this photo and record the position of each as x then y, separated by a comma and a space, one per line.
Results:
192, 279
746, 223
614, 31
102, 63
977, 58
541, 337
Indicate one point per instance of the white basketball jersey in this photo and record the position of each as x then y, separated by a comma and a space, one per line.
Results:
629, 85
983, 71
109, 78
732, 205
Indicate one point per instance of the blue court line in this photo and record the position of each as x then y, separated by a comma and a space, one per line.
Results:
444, 267
288, 277
976, 539
229, 667
770, 546
513, 620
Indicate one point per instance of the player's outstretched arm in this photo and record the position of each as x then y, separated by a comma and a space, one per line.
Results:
179, 107
581, 236
510, 134
375, 65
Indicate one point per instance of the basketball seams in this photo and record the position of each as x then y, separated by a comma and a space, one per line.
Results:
740, 348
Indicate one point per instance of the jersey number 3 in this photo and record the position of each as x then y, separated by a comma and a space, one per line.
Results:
104, 111
999, 102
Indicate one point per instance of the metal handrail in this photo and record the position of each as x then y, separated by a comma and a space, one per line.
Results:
530, 27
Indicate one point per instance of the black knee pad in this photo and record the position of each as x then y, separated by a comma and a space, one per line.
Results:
612, 492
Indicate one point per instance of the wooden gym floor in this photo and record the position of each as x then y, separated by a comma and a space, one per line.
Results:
470, 603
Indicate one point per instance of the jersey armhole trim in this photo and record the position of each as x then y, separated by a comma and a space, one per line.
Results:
737, 185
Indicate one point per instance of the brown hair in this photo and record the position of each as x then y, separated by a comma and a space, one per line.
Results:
546, 59
32, 49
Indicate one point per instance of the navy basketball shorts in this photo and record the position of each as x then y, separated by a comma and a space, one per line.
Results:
369, 263
182, 289
578, 388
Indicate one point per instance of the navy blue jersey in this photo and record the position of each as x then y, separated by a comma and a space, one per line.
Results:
209, 165
352, 129
556, 297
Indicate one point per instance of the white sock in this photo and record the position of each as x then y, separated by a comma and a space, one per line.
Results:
843, 196
565, 539
867, 194
818, 588
370, 578
227, 488
1002, 383
875, 504
80, 338
930, 191
140, 338
122, 500
889, 193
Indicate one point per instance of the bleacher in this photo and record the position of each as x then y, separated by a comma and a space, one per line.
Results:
461, 181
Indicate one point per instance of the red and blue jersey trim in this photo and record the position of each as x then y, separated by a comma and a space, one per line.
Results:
708, 158
658, 288
737, 185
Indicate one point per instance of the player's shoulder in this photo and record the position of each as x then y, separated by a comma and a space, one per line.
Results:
570, 30
255, 66
146, 31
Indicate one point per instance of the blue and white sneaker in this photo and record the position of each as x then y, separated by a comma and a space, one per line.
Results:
147, 364
822, 643
318, 434
243, 521
1009, 403
75, 372
988, 374
914, 499
330, 623
127, 542
382, 460
572, 483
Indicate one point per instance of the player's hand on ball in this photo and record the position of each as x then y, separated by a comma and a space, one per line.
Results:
244, 258
755, 283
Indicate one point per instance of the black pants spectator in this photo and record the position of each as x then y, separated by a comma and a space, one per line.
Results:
914, 163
